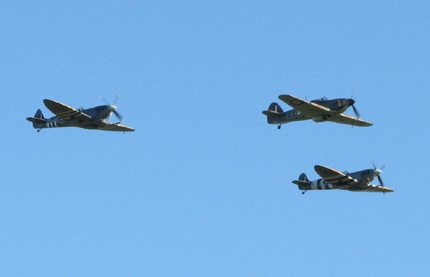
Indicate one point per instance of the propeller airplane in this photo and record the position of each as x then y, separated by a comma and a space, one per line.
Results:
333, 179
65, 116
318, 110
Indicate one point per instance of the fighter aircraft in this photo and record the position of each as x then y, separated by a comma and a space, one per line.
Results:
319, 110
93, 118
333, 179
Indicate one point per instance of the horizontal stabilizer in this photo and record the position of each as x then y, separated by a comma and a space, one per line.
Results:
299, 182
36, 120
271, 113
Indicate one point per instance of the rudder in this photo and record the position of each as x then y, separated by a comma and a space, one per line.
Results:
39, 114
275, 108
37, 119
303, 177
274, 111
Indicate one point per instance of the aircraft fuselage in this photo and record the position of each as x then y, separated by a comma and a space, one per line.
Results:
97, 114
338, 106
364, 176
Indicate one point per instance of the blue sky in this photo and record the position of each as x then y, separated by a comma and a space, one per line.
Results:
203, 187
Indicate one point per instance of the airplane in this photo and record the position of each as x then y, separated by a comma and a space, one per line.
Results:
333, 179
319, 110
65, 116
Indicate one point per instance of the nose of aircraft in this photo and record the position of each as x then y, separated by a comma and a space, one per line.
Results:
351, 102
378, 172
112, 108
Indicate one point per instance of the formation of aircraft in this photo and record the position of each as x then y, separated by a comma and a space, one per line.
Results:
333, 179
65, 116
322, 110
318, 110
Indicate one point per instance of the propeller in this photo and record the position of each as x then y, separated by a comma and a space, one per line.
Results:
356, 111
120, 118
380, 180
351, 103
379, 177
117, 97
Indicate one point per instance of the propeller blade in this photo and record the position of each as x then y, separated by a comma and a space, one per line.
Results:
117, 97
356, 111
380, 181
382, 167
379, 177
103, 98
353, 91
118, 116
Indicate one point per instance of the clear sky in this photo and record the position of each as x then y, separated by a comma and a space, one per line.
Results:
203, 186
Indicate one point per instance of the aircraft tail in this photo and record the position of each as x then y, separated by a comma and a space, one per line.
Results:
37, 119
303, 177
303, 182
39, 114
273, 111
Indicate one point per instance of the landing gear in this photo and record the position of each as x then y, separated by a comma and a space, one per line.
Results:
279, 126
303, 192
38, 130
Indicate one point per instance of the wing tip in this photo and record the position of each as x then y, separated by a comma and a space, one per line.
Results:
285, 96
362, 123
365, 123
127, 129
320, 167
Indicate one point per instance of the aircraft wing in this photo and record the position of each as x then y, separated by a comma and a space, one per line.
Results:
374, 188
305, 107
350, 120
106, 126
335, 177
65, 112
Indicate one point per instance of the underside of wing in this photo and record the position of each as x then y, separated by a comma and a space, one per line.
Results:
371, 188
65, 112
334, 177
306, 107
106, 126
350, 120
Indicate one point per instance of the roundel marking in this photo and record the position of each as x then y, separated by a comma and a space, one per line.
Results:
298, 114
296, 102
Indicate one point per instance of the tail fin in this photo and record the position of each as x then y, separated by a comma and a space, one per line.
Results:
275, 107
303, 177
303, 182
37, 119
274, 110
39, 114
